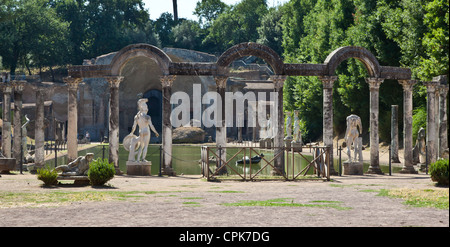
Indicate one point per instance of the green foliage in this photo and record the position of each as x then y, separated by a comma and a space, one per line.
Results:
439, 171
47, 175
100, 172
419, 121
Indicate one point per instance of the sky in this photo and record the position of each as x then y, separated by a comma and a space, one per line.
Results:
186, 7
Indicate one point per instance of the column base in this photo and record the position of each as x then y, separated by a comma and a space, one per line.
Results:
408, 170
374, 170
168, 171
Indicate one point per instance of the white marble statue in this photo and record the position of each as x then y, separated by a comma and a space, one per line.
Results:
352, 136
288, 126
24, 137
297, 134
269, 131
132, 142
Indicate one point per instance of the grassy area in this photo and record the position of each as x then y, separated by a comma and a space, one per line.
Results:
57, 198
420, 198
288, 202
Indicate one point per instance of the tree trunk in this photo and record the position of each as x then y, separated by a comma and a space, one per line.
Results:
175, 10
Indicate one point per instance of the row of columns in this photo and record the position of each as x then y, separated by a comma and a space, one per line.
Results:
437, 137
374, 85
221, 130
15, 88
114, 84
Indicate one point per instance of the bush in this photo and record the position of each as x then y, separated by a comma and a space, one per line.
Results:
439, 172
47, 175
100, 172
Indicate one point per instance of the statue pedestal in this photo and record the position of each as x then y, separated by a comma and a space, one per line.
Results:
268, 143
297, 146
262, 143
287, 143
352, 168
139, 168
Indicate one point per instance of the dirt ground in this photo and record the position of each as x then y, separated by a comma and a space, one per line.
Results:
189, 201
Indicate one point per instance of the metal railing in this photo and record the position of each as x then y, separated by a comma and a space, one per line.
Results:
320, 163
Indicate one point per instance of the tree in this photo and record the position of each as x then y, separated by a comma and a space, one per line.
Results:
235, 25
208, 10
41, 42
188, 35
270, 31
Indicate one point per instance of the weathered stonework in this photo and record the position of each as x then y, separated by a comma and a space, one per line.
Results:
167, 82
328, 82
6, 117
218, 69
407, 126
432, 132
374, 84
17, 142
278, 137
72, 111
443, 133
394, 134
114, 82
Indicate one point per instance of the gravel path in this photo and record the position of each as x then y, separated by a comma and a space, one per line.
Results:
189, 201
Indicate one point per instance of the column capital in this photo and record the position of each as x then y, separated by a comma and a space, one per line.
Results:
431, 85
278, 80
443, 90
407, 84
167, 80
6, 88
72, 82
114, 81
221, 81
374, 82
18, 85
328, 81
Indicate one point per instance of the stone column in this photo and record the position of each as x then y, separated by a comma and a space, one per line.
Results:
39, 135
114, 83
394, 134
278, 136
407, 126
328, 82
167, 82
72, 118
221, 129
374, 84
432, 132
443, 137
17, 143
6, 128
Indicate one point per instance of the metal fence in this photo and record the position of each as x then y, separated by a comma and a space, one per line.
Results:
217, 165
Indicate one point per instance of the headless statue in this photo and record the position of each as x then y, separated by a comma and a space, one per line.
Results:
78, 167
352, 136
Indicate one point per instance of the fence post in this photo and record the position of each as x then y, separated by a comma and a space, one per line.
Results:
56, 155
160, 160
390, 165
340, 161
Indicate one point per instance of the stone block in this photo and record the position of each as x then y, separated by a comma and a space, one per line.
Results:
139, 168
7, 164
297, 146
353, 168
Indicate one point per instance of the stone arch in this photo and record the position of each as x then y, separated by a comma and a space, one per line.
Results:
135, 50
343, 53
252, 49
